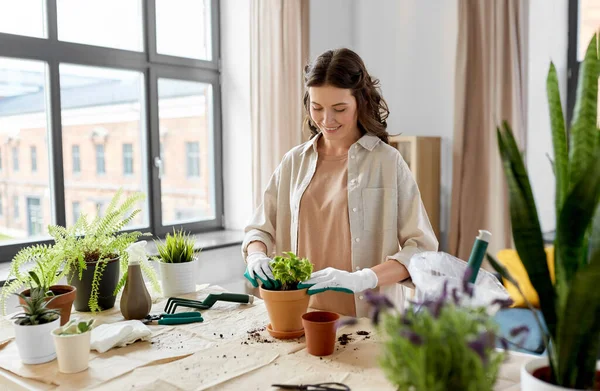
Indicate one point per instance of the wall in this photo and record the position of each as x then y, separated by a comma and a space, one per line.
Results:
548, 39
411, 47
237, 159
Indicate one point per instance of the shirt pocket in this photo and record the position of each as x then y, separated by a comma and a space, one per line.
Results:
379, 209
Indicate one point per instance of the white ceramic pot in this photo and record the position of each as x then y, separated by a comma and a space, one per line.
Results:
35, 342
531, 383
72, 351
178, 278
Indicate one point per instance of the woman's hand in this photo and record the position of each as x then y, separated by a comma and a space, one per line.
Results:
259, 267
340, 281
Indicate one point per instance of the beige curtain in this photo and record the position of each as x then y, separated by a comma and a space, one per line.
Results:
279, 50
490, 86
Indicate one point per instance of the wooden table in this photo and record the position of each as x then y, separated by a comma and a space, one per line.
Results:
218, 354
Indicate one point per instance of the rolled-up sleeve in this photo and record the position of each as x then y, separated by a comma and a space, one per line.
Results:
415, 233
262, 226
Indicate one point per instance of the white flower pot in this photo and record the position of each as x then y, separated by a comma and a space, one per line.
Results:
178, 278
72, 351
532, 383
35, 342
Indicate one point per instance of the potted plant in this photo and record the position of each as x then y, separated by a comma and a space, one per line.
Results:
571, 305
72, 342
33, 327
438, 344
44, 276
177, 264
286, 304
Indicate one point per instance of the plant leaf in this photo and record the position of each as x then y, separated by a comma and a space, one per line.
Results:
580, 325
559, 138
526, 230
584, 132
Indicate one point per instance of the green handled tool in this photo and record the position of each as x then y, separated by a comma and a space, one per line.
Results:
478, 252
208, 302
172, 319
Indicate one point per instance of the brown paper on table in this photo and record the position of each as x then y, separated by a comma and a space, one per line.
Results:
166, 345
199, 371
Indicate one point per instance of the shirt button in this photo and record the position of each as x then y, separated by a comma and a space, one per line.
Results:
361, 297
357, 240
352, 156
353, 181
358, 268
354, 210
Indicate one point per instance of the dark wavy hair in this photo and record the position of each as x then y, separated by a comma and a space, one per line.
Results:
343, 68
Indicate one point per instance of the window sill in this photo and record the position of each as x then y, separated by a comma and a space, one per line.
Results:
205, 241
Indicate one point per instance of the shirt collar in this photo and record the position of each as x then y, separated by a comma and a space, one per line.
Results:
368, 141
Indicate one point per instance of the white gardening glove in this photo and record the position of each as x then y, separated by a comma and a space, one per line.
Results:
259, 267
340, 281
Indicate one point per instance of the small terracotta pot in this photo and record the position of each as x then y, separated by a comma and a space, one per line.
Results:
285, 308
64, 296
320, 331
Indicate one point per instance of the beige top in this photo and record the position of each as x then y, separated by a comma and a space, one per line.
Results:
324, 228
387, 217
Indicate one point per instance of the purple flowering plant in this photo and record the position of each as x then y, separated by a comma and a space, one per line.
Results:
439, 344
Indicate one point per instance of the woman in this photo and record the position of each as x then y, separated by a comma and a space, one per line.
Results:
346, 200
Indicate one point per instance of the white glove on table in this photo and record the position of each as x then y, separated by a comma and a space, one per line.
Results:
340, 281
108, 336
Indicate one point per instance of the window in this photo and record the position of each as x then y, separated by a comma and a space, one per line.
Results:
1, 207
34, 216
100, 208
76, 207
15, 156
100, 163
84, 99
16, 213
192, 159
584, 21
0, 160
127, 159
33, 159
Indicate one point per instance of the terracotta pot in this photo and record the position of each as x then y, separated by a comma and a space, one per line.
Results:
536, 373
285, 308
64, 296
320, 330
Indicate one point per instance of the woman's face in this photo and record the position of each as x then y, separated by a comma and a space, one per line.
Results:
334, 112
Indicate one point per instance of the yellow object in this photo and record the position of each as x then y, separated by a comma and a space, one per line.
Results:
511, 260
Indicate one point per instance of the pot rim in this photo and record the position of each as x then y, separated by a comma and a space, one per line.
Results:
54, 333
70, 288
14, 322
541, 362
195, 259
321, 322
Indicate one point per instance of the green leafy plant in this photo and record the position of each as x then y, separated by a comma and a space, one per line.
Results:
438, 344
86, 242
290, 270
176, 248
571, 305
76, 327
35, 311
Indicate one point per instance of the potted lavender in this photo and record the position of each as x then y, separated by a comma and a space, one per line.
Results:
439, 344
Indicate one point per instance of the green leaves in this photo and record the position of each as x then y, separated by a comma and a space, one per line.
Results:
177, 248
35, 310
290, 270
526, 229
76, 327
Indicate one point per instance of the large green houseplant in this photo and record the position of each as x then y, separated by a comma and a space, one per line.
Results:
571, 305
90, 254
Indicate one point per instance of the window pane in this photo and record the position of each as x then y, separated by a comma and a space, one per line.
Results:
23, 17
102, 108
75, 211
127, 159
183, 28
86, 22
589, 22
24, 134
186, 128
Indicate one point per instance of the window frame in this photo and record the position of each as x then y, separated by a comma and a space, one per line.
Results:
153, 66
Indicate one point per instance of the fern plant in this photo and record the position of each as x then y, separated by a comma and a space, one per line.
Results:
176, 248
86, 242
289, 270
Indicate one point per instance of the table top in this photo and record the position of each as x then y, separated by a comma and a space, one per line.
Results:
230, 350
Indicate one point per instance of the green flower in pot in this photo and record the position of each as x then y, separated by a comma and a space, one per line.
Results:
286, 304
44, 276
178, 263
571, 305
72, 342
33, 327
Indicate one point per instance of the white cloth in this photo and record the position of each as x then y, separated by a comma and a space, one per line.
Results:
108, 336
